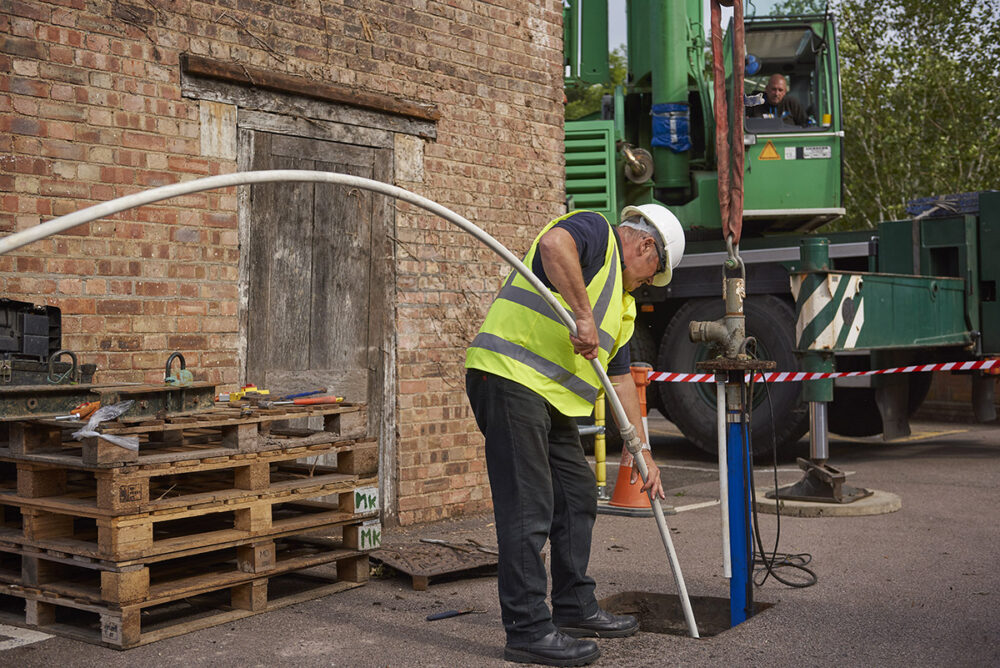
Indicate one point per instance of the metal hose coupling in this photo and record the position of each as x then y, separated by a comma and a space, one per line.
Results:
707, 331
727, 334
631, 438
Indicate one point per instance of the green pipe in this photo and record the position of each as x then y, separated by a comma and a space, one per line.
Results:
814, 254
668, 38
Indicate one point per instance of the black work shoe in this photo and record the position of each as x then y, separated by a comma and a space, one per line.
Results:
554, 649
601, 624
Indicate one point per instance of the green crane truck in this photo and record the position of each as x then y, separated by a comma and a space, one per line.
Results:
908, 292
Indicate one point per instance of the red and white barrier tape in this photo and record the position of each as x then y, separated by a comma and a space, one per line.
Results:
792, 376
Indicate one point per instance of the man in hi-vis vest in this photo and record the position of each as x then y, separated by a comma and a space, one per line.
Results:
527, 379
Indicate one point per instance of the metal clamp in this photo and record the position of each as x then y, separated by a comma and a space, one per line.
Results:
73, 373
182, 377
733, 261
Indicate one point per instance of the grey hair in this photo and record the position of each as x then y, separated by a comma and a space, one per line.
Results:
639, 224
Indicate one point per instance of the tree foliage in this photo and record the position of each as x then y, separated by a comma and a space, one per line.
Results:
583, 101
921, 96
793, 7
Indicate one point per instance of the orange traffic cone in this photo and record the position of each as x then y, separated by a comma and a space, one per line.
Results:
627, 499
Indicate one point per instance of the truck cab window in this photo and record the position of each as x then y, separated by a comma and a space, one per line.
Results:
789, 82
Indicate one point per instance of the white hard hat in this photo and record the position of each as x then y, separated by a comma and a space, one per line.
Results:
671, 236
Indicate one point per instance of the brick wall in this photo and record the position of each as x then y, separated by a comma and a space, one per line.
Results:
91, 109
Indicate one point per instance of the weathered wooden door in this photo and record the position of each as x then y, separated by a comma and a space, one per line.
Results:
318, 273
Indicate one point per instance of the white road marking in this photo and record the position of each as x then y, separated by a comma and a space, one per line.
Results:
689, 468
19, 637
759, 469
714, 469
696, 506
914, 436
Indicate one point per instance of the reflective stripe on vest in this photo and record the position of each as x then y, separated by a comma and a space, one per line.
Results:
550, 370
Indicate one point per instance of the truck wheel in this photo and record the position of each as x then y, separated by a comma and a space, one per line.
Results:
855, 413
643, 349
692, 405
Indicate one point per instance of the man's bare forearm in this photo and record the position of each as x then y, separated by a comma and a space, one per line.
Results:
629, 396
561, 260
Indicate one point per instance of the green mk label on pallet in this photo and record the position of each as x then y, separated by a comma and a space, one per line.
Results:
370, 535
365, 499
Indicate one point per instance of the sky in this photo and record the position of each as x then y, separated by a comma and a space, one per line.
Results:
616, 17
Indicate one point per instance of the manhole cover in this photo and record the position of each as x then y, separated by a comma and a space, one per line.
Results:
423, 562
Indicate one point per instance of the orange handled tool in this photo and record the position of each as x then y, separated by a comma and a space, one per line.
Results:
81, 412
309, 401
305, 401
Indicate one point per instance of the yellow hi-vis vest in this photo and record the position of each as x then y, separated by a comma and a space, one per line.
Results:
523, 339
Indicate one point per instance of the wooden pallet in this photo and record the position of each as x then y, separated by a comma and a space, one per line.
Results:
26, 570
57, 523
221, 514
187, 605
217, 432
97, 492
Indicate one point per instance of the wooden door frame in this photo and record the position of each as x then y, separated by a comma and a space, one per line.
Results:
297, 106
381, 305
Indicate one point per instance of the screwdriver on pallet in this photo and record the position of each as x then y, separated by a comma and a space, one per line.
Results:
299, 395
305, 401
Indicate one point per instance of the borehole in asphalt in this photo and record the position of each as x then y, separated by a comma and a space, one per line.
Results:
662, 613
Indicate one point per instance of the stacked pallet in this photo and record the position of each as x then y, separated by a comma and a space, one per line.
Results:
219, 515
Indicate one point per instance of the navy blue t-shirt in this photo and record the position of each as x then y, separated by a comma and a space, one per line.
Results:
590, 232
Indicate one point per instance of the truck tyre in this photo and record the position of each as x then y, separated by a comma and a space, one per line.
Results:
855, 413
643, 349
692, 405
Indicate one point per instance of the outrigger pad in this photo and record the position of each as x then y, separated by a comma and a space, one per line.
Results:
822, 483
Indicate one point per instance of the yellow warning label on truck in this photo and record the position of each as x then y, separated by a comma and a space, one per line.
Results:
769, 152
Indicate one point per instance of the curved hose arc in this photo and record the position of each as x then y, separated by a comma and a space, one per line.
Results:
97, 211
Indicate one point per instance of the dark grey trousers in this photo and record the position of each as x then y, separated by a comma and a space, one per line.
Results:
542, 489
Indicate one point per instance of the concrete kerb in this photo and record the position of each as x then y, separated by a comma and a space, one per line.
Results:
879, 503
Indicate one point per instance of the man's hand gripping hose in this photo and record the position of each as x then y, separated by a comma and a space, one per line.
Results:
651, 484
97, 211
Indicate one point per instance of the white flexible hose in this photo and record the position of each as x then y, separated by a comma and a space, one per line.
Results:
63, 223
720, 408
